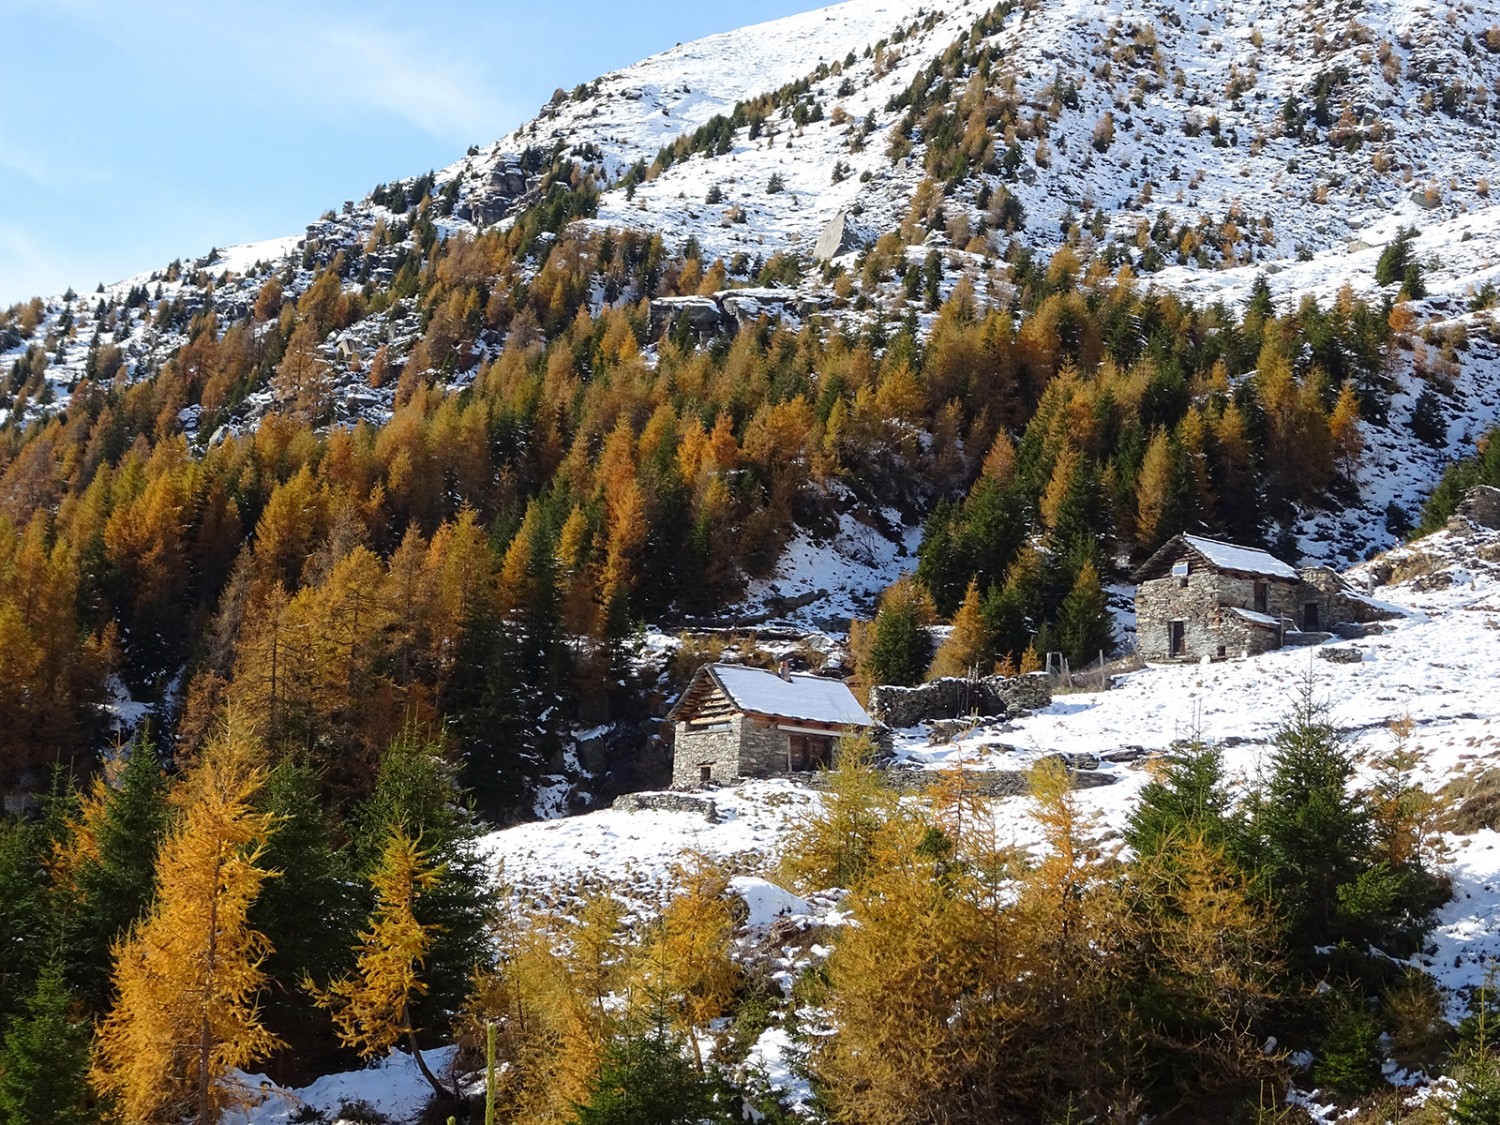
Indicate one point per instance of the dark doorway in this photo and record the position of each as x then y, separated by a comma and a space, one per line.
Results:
1176, 639
706, 772
1261, 593
808, 752
1310, 615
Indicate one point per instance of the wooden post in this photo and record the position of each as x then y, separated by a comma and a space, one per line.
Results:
489, 1074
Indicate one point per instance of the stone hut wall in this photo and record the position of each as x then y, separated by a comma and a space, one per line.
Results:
717, 747
1197, 601
1323, 588
763, 748
1244, 638
742, 746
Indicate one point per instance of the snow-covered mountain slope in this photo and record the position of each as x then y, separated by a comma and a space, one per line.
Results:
1308, 127
1205, 143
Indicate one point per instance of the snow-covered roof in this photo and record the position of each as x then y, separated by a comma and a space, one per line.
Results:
1246, 560
811, 698
1264, 619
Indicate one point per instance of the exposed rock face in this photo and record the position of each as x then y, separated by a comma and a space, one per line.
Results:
703, 315
506, 189
834, 240
707, 317
952, 698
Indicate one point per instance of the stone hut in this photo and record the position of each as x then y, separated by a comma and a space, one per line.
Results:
734, 721
1200, 597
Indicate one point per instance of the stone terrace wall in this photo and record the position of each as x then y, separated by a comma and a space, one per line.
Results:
952, 697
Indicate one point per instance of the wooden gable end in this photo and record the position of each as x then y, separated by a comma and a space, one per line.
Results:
704, 702
712, 705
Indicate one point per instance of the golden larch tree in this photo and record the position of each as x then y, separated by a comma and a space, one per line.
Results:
1153, 492
371, 1008
688, 965
967, 645
187, 977
1343, 430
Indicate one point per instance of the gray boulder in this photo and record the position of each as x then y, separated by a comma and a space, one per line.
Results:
835, 239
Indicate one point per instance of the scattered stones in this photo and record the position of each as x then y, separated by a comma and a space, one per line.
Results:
1341, 655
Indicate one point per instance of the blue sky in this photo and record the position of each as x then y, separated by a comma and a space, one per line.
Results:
134, 133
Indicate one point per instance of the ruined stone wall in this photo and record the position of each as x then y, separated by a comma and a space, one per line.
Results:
668, 802
953, 697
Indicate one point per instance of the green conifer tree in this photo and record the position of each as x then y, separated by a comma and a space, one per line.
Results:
1084, 629
647, 1078
1187, 798
416, 790
44, 1060
23, 913
314, 881
111, 876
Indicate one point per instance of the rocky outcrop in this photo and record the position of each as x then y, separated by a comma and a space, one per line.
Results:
952, 697
724, 312
503, 192
703, 316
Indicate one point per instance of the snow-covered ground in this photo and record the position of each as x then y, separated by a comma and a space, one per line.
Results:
392, 1086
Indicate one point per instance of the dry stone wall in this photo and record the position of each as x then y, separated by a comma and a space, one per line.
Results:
1480, 507
952, 697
